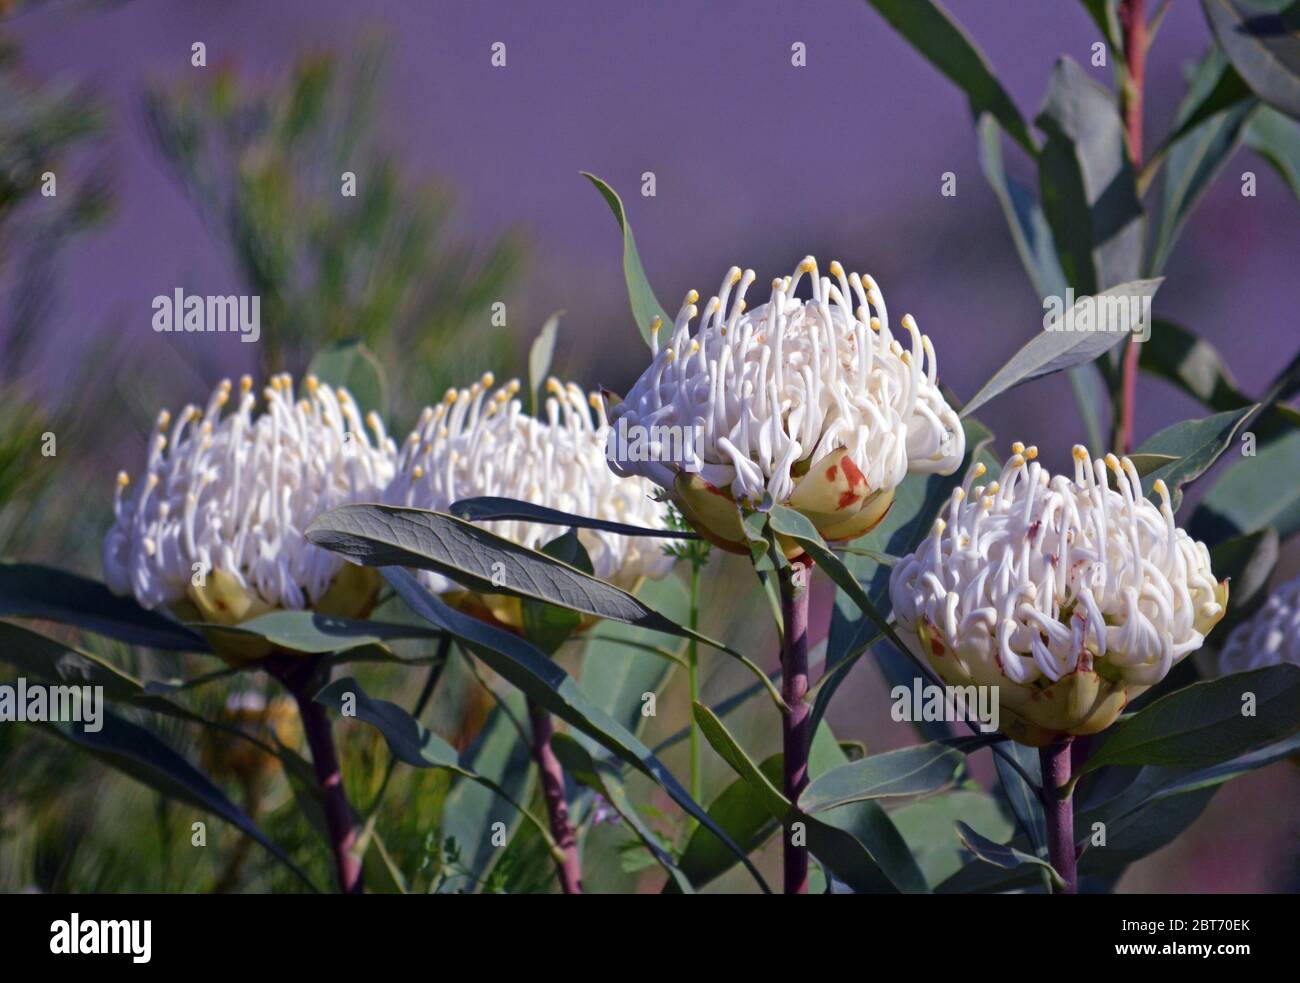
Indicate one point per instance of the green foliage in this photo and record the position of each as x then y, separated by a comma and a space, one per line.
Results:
265, 167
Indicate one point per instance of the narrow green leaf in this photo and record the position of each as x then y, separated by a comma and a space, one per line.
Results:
998, 855
384, 535
528, 669
488, 508
353, 366
1111, 317
1276, 138
1262, 40
600, 775
1207, 722
908, 771
141, 755
539, 358
1087, 183
1196, 444
1192, 364
931, 30
645, 306
29, 590
315, 633
1253, 494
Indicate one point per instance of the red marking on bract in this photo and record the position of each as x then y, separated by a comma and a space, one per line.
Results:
851, 472
832, 472
221, 606
936, 646
716, 491
848, 498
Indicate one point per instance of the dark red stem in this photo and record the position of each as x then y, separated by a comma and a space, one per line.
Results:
557, 807
796, 736
299, 677
1055, 762
1133, 22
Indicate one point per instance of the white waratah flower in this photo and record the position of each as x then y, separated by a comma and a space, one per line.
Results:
813, 403
1070, 596
476, 443
218, 518
1270, 637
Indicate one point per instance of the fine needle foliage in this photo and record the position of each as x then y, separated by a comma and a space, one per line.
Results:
509, 710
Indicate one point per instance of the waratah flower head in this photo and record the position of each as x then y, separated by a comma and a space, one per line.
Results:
1269, 637
218, 518
480, 442
813, 402
1070, 596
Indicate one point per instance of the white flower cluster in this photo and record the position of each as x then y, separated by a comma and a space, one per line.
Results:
1270, 637
477, 442
789, 382
232, 492
1033, 577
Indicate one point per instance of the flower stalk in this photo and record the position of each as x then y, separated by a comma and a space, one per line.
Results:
298, 676
796, 724
1132, 17
1058, 806
567, 866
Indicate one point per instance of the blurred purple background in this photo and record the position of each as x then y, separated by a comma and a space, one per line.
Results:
757, 162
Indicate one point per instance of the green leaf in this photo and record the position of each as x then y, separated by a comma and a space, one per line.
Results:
410, 741
1247, 563
1193, 365
498, 753
1276, 138
836, 838
528, 669
1087, 183
1214, 86
599, 774
1262, 40
539, 358
140, 754
488, 508
1113, 315
1146, 463
930, 29
28, 590
545, 625
908, 771
1195, 159
1022, 797
1141, 815
384, 535
645, 306
351, 365
1006, 857
1029, 229
1206, 723
740, 810
617, 669
1253, 494
315, 633
1104, 15
1196, 444
927, 828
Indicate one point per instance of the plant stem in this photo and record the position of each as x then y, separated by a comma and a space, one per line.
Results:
1055, 762
796, 738
557, 807
693, 679
1133, 22
299, 675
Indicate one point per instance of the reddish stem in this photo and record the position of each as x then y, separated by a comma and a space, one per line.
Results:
298, 674
1133, 22
796, 734
557, 807
1055, 762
